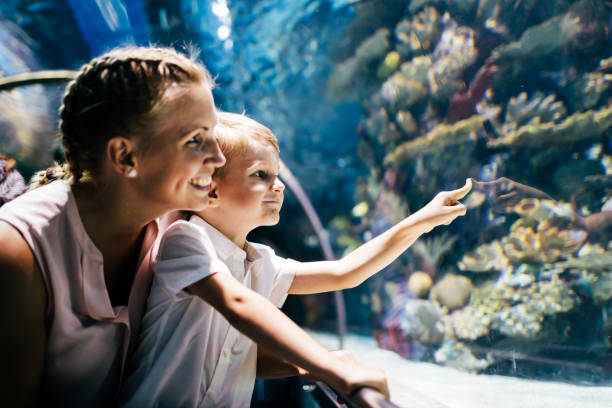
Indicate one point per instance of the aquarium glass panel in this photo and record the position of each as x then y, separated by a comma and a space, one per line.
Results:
379, 106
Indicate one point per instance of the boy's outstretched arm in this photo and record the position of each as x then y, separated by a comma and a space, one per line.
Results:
257, 318
374, 255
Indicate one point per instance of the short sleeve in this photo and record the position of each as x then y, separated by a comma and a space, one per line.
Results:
284, 273
186, 255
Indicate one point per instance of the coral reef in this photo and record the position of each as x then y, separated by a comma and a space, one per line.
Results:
516, 95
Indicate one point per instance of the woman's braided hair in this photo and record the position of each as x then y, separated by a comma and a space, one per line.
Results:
115, 94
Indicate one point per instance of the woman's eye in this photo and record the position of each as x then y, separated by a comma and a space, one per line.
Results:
195, 140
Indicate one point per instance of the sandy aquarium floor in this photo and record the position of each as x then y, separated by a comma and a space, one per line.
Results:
425, 385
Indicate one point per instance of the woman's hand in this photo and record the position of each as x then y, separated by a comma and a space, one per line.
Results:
444, 208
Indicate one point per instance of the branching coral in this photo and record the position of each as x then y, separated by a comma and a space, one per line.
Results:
546, 244
540, 40
538, 108
486, 258
442, 136
577, 127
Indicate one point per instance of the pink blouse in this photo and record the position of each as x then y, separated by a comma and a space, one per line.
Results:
88, 340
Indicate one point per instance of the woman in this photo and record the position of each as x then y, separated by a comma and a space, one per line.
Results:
75, 259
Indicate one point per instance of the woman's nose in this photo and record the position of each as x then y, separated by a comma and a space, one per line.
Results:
214, 157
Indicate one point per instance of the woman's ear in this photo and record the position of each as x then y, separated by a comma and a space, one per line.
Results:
213, 196
120, 152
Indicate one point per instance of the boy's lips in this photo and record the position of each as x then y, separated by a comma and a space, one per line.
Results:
273, 202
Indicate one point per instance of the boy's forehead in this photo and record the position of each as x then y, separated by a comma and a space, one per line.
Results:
252, 150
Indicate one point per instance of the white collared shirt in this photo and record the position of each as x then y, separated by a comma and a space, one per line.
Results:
189, 355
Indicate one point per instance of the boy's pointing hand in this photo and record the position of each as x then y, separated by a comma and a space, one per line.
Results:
444, 208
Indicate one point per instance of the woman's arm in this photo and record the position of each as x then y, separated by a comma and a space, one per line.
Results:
374, 255
22, 310
257, 318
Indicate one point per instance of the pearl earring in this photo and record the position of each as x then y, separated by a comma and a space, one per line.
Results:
132, 173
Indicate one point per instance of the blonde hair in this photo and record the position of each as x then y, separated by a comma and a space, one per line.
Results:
234, 131
118, 93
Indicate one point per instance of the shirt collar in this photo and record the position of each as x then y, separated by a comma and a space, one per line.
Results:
224, 246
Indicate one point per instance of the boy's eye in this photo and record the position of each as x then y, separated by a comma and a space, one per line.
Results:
261, 174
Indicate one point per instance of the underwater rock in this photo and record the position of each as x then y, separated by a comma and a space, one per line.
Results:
376, 122
540, 40
420, 321
402, 92
454, 52
458, 355
406, 122
389, 135
417, 69
419, 284
486, 258
436, 140
575, 128
453, 291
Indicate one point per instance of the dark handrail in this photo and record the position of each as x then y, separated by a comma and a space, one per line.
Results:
37, 77
365, 397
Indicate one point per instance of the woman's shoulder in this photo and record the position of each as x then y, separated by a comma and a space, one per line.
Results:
39, 204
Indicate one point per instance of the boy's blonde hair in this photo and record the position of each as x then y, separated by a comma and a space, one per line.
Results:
233, 132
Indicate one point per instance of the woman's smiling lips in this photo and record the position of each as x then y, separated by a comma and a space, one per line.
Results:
201, 183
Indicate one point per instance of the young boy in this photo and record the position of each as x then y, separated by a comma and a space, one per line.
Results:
189, 353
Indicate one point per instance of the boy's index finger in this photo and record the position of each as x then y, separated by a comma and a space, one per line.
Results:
461, 192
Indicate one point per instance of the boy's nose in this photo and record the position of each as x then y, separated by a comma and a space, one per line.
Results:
278, 185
